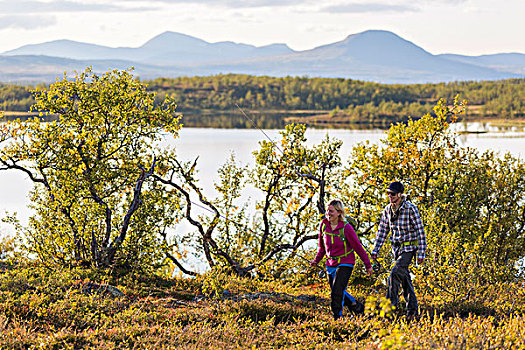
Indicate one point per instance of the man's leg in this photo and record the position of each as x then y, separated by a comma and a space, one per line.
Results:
394, 280
408, 287
400, 275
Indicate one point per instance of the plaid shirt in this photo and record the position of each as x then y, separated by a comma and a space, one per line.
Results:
407, 227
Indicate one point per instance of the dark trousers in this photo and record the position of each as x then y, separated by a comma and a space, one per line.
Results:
400, 276
338, 284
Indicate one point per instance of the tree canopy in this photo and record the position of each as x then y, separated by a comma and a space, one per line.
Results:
89, 167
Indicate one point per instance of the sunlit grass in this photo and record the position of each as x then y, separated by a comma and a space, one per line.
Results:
54, 310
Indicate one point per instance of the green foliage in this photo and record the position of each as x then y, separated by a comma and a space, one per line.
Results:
12, 251
379, 306
85, 165
261, 237
213, 99
234, 239
472, 204
96, 202
359, 101
89, 166
293, 178
15, 97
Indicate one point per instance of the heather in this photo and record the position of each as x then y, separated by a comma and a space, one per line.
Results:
74, 308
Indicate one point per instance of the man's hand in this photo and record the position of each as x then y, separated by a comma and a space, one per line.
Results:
374, 256
313, 263
370, 271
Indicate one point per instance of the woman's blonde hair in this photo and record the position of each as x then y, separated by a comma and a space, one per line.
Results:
338, 205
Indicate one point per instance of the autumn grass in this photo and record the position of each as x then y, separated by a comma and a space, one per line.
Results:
47, 309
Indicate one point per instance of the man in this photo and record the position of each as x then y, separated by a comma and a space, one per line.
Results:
401, 219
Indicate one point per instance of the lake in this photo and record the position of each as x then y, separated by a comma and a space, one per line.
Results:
214, 146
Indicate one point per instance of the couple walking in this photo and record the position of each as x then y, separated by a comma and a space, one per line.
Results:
338, 241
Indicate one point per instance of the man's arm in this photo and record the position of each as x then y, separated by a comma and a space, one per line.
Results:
382, 233
415, 219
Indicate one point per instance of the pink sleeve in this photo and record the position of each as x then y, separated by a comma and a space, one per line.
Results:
321, 251
351, 236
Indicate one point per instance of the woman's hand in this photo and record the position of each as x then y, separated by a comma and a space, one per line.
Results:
370, 271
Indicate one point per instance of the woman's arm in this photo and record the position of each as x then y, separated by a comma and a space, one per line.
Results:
321, 249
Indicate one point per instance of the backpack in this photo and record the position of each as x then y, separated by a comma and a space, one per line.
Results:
341, 236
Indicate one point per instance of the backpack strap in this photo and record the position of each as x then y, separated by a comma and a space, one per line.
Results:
341, 236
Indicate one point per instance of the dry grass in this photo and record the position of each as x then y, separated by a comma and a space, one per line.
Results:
52, 310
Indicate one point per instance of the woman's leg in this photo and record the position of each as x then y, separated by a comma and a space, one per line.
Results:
338, 286
349, 299
353, 304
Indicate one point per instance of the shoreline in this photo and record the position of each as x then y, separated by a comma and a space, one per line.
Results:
313, 118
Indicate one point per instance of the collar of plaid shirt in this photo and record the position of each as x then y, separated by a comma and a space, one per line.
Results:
394, 213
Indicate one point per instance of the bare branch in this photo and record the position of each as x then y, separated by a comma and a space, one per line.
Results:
13, 165
208, 243
280, 248
135, 203
94, 248
179, 265
266, 221
95, 195
309, 176
188, 216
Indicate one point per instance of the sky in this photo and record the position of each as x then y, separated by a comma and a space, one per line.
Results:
468, 27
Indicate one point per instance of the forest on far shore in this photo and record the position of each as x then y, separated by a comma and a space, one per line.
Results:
220, 100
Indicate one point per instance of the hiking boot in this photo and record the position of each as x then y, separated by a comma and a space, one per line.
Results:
357, 307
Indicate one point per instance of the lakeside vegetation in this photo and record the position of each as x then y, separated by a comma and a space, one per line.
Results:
96, 266
212, 100
73, 309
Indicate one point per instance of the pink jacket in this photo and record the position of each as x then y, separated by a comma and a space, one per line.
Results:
338, 248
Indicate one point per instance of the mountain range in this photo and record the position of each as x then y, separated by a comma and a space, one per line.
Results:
373, 55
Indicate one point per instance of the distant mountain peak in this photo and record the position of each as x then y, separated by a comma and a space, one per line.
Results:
375, 45
375, 32
372, 55
172, 38
377, 36
170, 34
53, 44
277, 46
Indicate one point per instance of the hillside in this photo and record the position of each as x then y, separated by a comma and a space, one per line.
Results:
373, 55
211, 101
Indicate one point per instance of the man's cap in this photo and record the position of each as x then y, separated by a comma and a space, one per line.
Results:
396, 187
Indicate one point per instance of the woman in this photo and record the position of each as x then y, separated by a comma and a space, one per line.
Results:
338, 240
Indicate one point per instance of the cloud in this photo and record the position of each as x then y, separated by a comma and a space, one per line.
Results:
26, 22
453, 2
35, 6
368, 7
237, 3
